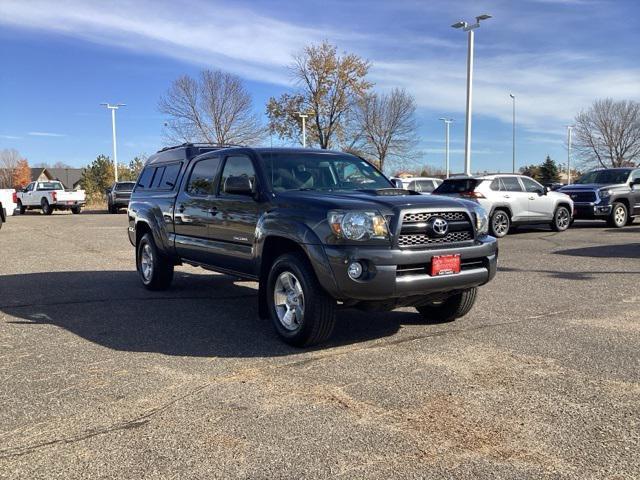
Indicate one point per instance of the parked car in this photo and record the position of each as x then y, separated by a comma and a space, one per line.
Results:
7, 204
314, 228
512, 200
611, 194
49, 196
118, 195
424, 185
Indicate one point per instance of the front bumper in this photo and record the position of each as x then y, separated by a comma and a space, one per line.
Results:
591, 211
392, 273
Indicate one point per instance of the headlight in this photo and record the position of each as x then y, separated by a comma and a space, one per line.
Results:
356, 225
482, 220
605, 193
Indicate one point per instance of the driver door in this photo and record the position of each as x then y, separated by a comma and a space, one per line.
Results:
541, 206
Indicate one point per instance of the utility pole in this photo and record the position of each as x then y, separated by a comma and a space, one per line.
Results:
569, 129
513, 97
466, 27
447, 122
113, 109
303, 116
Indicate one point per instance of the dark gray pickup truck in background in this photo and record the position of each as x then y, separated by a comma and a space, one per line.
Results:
316, 229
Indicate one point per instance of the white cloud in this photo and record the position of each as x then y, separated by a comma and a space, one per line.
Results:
45, 134
10, 137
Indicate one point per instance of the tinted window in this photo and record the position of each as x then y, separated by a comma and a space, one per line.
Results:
421, 186
124, 186
461, 185
605, 177
531, 185
203, 177
144, 180
239, 166
170, 176
320, 171
511, 184
157, 178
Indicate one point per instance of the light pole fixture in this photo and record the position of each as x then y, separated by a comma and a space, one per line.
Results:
303, 116
569, 131
513, 159
447, 122
113, 109
466, 27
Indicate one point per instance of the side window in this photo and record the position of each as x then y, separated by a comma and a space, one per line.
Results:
144, 180
511, 184
157, 178
238, 166
531, 186
412, 185
202, 181
170, 176
635, 175
30, 187
495, 185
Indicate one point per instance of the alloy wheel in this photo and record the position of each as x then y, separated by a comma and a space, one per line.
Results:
563, 219
288, 299
146, 262
500, 224
620, 216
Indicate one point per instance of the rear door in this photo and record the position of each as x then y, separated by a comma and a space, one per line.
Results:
235, 218
194, 214
541, 206
513, 194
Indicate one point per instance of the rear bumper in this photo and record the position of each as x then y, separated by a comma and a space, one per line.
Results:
387, 275
61, 205
591, 211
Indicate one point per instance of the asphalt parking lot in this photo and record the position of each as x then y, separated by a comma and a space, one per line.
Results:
102, 379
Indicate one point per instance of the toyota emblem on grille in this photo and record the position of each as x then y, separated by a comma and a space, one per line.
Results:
438, 226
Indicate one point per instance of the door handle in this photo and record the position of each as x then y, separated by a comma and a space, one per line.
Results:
532, 198
507, 196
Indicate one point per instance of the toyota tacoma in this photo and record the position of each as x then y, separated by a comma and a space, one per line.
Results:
317, 229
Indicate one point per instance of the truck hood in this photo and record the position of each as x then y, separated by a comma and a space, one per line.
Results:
370, 199
587, 187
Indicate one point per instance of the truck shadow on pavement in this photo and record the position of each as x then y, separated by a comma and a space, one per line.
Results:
625, 250
201, 315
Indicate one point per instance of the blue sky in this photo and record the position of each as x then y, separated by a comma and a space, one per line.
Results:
61, 59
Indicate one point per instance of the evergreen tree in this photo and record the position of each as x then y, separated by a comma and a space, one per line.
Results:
549, 172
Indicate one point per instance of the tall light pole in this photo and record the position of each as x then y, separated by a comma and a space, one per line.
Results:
113, 109
303, 116
466, 27
513, 160
569, 129
447, 122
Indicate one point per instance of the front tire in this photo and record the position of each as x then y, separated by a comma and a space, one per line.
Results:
619, 215
155, 270
454, 307
302, 313
46, 208
561, 219
500, 223
21, 208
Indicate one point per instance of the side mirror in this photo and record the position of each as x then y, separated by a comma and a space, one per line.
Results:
397, 183
240, 185
546, 190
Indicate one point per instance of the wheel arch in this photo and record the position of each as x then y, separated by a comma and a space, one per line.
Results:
504, 208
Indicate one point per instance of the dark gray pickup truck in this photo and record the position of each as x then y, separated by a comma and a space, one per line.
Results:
317, 229
611, 194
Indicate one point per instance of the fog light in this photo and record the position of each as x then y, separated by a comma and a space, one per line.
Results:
355, 270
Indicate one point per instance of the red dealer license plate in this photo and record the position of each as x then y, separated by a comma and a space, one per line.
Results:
445, 265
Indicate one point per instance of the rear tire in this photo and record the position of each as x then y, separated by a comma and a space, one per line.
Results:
21, 208
302, 313
46, 208
500, 223
561, 219
155, 270
454, 307
76, 210
619, 215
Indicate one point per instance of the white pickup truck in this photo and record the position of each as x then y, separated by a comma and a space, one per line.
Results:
7, 204
49, 196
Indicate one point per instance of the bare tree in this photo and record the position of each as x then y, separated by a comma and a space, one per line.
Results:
9, 163
388, 126
215, 108
329, 85
608, 133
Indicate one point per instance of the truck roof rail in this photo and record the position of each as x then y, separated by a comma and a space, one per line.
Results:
203, 144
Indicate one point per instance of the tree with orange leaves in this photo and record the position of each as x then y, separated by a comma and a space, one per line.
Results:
21, 174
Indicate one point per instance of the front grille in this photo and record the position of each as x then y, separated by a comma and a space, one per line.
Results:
582, 197
413, 231
423, 239
425, 268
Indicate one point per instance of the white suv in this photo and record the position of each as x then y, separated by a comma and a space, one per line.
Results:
423, 185
512, 200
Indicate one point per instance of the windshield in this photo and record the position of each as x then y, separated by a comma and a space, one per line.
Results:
320, 171
50, 186
604, 177
125, 186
